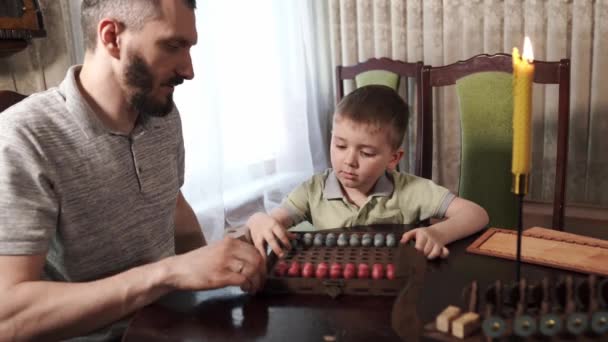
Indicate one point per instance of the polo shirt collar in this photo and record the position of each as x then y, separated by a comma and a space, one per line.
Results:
80, 110
332, 190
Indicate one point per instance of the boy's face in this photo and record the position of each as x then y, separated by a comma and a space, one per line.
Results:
360, 153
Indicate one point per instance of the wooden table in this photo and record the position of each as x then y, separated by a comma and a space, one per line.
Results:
228, 314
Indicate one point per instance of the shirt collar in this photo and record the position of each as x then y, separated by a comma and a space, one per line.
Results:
332, 190
80, 110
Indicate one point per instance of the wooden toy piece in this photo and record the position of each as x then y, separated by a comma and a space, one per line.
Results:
390, 271
391, 240
349, 271
549, 324
522, 300
366, 240
379, 240
354, 240
281, 268
570, 304
593, 303
318, 239
494, 326
307, 239
465, 325
308, 270
294, 269
524, 325
335, 271
377, 271
576, 322
363, 271
330, 240
322, 270
545, 303
602, 293
342, 240
473, 295
445, 318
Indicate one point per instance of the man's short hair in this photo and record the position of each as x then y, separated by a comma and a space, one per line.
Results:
132, 13
377, 105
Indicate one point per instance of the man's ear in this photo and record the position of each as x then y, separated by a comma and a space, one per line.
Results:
395, 158
109, 36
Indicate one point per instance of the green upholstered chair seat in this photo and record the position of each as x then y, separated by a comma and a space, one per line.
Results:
381, 77
486, 111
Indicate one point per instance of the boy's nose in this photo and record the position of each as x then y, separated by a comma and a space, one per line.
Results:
350, 158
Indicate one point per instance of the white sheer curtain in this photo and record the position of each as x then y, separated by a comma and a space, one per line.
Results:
255, 116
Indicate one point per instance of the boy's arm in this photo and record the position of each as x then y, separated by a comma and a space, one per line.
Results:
34, 309
463, 218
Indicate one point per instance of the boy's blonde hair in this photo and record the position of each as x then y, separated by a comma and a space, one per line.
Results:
377, 105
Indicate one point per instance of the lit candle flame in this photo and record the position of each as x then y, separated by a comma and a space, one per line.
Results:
528, 53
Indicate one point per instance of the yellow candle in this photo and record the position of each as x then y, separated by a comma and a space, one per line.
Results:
523, 76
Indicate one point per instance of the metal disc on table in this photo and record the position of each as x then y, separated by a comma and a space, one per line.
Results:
577, 323
524, 326
550, 324
494, 327
599, 322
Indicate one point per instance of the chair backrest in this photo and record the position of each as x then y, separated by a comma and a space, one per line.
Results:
388, 72
9, 98
474, 163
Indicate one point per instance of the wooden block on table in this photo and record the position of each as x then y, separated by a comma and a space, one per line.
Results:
445, 318
465, 325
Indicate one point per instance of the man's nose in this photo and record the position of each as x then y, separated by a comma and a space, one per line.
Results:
186, 70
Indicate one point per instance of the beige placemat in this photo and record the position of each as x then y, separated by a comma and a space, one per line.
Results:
546, 247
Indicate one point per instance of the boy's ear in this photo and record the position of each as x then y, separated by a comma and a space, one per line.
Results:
395, 158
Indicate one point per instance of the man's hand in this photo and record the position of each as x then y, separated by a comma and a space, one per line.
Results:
266, 229
228, 262
426, 242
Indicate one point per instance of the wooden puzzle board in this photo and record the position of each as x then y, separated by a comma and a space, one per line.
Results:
399, 256
546, 247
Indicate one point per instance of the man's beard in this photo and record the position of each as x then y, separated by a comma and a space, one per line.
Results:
141, 81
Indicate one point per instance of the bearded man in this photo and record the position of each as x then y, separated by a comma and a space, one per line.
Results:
93, 225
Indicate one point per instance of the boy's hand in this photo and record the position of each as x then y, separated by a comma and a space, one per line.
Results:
426, 242
265, 229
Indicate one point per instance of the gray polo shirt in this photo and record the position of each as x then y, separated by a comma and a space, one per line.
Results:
96, 202
397, 198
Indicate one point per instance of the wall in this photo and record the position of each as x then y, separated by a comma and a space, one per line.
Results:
44, 62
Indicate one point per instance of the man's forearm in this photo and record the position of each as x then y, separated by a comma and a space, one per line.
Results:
42, 310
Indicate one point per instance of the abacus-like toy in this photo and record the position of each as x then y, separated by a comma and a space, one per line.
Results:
350, 261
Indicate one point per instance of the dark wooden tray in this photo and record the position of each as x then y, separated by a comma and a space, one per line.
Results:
401, 256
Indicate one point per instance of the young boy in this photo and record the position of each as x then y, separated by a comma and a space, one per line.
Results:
362, 187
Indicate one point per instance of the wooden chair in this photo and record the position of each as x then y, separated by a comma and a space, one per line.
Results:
388, 72
480, 147
9, 98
